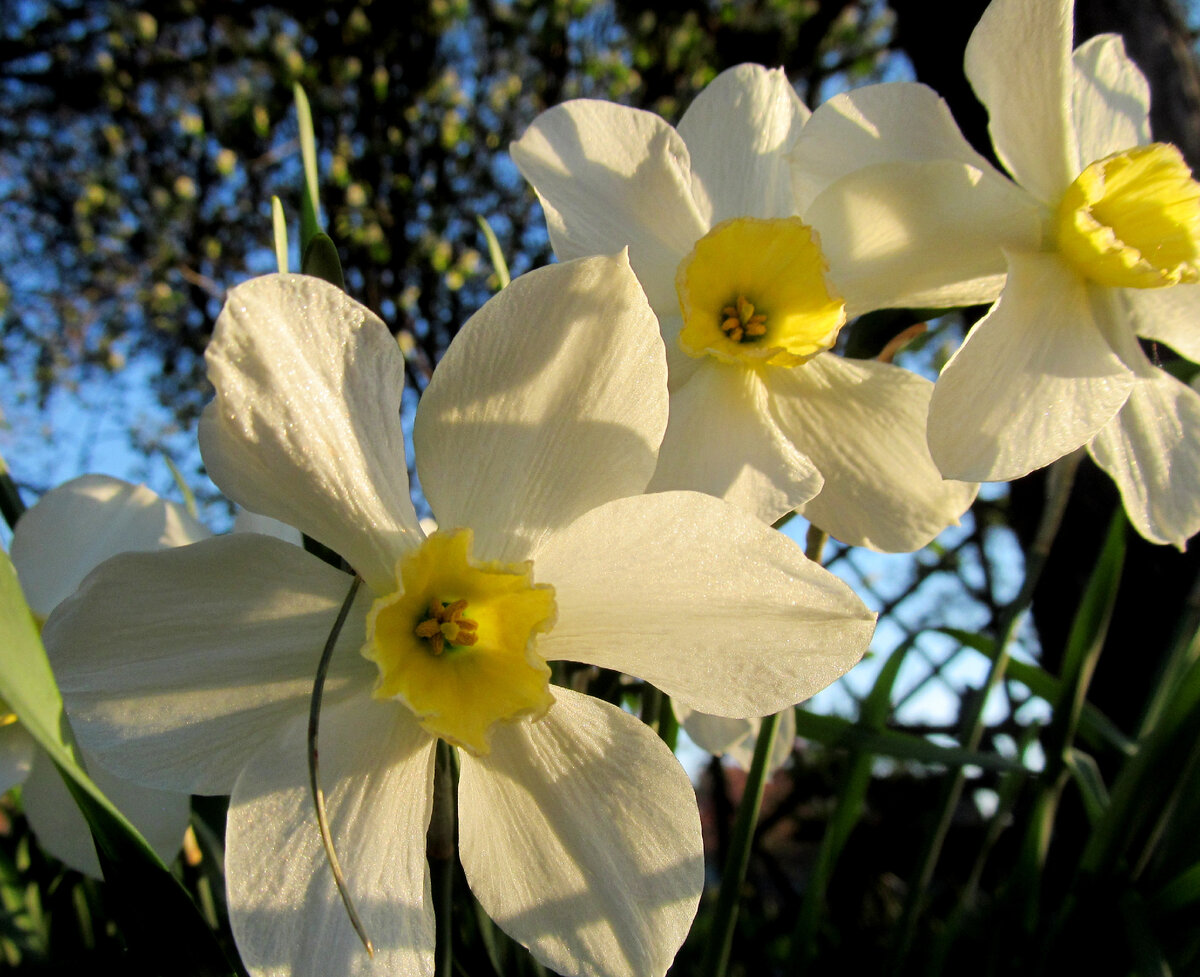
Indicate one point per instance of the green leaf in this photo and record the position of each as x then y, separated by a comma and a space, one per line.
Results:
321, 260
1086, 773
310, 221
1182, 892
495, 255
159, 919
189, 497
279, 229
838, 732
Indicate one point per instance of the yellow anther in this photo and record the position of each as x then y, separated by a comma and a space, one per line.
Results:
446, 626
742, 322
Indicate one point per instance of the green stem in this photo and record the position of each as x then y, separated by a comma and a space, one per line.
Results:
440, 848
721, 938
1059, 480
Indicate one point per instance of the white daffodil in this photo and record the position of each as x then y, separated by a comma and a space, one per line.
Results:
57, 542
751, 291
578, 829
1056, 363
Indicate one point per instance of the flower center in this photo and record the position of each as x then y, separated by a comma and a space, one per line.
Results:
457, 641
1132, 220
753, 291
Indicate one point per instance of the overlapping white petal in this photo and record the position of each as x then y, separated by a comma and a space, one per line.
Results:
1110, 100
78, 525
1019, 62
896, 122
1034, 380
608, 177
866, 421
568, 413
721, 439
306, 423
921, 234
160, 816
737, 738
1151, 449
580, 836
175, 666
1167, 315
376, 772
737, 130
704, 601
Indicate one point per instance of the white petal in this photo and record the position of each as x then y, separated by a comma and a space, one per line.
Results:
1034, 380
737, 131
712, 606
1111, 100
17, 748
551, 400
737, 738
863, 425
680, 366
911, 235
78, 525
160, 816
721, 439
306, 424
1152, 451
252, 522
895, 122
377, 775
174, 666
1019, 63
742, 753
610, 176
1168, 315
580, 836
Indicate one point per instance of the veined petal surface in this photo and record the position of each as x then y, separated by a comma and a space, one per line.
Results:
912, 235
1110, 100
175, 666
1151, 449
1019, 62
895, 122
161, 816
1167, 315
306, 423
551, 400
1034, 380
863, 424
721, 439
78, 525
737, 131
377, 775
703, 600
580, 836
608, 177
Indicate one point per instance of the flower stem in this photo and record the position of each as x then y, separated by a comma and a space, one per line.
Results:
314, 721
721, 937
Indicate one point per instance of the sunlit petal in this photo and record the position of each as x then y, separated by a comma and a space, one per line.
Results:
551, 400
1111, 99
712, 606
306, 425
580, 836
175, 666
1034, 380
376, 773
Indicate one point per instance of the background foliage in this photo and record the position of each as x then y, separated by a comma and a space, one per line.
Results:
140, 145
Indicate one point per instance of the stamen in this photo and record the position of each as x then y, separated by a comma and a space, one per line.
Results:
445, 625
741, 322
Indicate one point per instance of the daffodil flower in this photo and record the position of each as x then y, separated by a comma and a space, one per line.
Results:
578, 829
1056, 363
57, 542
751, 291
